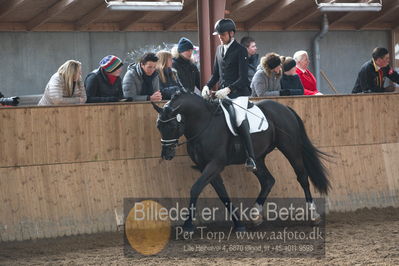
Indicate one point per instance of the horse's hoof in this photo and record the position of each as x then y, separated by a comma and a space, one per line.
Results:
317, 220
258, 220
240, 228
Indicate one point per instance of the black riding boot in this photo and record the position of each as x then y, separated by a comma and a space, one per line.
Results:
246, 137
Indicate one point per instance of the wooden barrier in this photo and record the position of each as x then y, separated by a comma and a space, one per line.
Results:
66, 170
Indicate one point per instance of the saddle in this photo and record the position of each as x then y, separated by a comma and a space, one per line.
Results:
245, 109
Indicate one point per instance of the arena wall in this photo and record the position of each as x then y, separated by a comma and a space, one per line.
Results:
66, 170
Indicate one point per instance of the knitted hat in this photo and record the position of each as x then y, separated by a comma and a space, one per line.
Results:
110, 63
288, 64
273, 62
184, 45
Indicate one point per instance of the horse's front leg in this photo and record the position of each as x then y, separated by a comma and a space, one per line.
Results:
211, 170
220, 189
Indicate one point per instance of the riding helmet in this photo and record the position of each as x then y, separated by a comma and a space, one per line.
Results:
224, 25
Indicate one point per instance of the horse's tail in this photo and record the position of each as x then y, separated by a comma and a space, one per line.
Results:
312, 160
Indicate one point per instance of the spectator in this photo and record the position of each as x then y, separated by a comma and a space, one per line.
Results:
266, 81
307, 78
10, 101
187, 71
104, 84
253, 57
168, 80
372, 75
65, 86
141, 81
290, 82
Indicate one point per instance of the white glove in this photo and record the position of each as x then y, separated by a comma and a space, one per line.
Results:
221, 94
319, 93
205, 92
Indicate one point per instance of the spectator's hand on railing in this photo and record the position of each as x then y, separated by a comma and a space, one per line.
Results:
156, 97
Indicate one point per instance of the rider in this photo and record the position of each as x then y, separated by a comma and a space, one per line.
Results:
231, 70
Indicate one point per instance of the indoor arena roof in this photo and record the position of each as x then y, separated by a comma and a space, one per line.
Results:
255, 15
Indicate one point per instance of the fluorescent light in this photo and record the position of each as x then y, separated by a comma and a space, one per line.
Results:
347, 7
144, 6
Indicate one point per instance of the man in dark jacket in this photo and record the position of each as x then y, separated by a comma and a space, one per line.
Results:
187, 71
104, 83
372, 75
253, 57
231, 71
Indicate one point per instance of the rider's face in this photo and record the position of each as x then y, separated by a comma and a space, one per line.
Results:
225, 37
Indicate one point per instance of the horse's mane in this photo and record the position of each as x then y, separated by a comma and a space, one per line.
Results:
211, 105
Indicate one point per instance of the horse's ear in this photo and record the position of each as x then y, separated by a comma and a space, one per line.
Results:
157, 108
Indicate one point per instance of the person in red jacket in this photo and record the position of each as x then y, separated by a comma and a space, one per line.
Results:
307, 78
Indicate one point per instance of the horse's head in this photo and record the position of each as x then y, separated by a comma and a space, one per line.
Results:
170, 124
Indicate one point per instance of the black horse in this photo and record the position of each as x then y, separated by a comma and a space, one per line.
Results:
211, 146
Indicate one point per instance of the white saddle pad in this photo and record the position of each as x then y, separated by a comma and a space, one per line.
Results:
257, 120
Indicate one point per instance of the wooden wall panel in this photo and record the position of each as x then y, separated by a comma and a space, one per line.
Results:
65, 170
68, 199
34, 135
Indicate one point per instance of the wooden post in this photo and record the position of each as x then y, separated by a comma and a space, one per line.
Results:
395, 48
394, 51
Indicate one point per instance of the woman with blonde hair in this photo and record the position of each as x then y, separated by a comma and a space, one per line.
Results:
168, 80
65, 86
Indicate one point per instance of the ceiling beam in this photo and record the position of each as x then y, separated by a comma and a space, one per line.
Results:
9, 6
301, 17
341, 16
184, 26
386, 9
332, 20
48, 13
241, 4
266, 12
131, 20
186, 12
90, 17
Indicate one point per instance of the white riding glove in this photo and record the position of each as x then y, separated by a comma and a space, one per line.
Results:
221, 94
206, 92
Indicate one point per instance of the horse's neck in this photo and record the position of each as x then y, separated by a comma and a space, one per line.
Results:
197, 119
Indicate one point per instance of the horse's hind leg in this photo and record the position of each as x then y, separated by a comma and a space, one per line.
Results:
266, 181
220, 189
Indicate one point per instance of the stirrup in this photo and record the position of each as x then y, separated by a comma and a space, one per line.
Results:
250, 164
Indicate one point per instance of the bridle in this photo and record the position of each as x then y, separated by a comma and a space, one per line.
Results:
175, 142
170, 142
